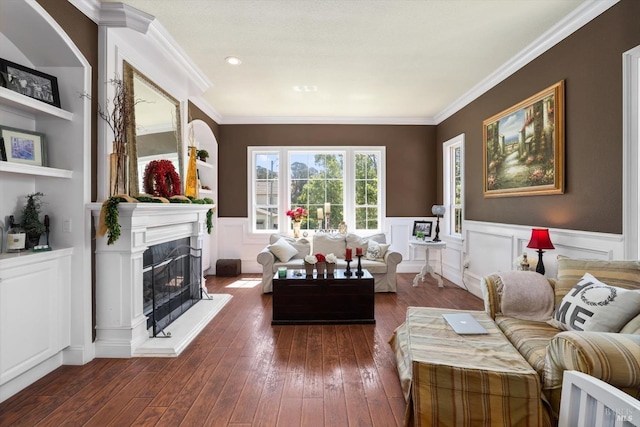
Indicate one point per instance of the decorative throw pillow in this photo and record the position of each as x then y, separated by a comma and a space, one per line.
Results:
283, 250
595, 306
375, 250
303, 246
623, 274
328, 243
354, 241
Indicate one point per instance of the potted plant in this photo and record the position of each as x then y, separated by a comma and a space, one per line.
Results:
202, 155
31, 223
419, 235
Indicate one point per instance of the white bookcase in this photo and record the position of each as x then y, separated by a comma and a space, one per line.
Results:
45, 298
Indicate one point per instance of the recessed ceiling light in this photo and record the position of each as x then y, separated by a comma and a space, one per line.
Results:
233, 60
305, 88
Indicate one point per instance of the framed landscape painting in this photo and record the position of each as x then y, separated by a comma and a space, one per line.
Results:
523, 147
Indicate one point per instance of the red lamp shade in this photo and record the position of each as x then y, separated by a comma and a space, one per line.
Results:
540, 239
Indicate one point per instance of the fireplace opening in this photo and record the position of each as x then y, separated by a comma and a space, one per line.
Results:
171, 282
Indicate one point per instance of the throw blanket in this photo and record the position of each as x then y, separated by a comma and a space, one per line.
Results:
526, 295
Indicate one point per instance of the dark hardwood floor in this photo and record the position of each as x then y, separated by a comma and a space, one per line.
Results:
241, 371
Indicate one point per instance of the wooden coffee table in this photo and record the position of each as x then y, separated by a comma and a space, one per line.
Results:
301, 299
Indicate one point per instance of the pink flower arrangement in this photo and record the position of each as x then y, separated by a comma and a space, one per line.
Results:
321, 258
297, 214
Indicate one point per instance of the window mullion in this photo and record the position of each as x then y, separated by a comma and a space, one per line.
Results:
285, 189
349, 190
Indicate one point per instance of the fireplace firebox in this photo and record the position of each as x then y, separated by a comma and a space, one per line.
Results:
171, 283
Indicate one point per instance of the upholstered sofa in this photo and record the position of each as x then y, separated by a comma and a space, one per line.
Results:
594, 328
285, 251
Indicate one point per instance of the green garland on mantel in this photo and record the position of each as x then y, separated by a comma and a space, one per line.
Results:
111, 212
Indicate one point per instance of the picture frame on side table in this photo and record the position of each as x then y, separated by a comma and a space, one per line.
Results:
523, 147
23, 146
29, 82
422, 226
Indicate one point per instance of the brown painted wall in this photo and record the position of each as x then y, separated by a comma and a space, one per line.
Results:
196, 113
411, 165
590, 62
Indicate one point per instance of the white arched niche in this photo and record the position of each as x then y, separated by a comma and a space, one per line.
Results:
201, 135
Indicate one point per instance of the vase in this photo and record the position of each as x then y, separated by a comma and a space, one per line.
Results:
33, 240
308, 268
191, 185
118, 171
296, 229
320, 267
331, 267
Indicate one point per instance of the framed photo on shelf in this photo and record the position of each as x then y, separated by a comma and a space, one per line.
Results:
29, 82
422, 226
523, 147
22, 146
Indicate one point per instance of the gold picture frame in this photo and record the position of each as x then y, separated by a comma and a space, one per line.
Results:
523, 147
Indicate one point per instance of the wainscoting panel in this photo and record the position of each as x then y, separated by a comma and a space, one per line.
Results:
491, 247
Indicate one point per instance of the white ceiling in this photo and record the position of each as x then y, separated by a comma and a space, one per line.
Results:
385, 61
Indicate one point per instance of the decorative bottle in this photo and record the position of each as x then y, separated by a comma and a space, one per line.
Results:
524, 265
191, 186
16, 237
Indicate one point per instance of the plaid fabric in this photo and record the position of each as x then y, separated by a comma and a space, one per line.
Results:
611, 357
453, 380
529, 338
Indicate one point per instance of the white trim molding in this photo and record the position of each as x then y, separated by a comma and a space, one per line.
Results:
630, 151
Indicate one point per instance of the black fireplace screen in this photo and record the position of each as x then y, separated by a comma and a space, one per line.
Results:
171, 282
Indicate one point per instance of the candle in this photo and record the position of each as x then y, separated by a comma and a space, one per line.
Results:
327, 208
359, 251
320, 215
348, 255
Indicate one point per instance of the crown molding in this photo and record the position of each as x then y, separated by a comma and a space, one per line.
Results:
206, 108
90, 8
294, 120
583, 14
120, 15
117, 14
114, 14
197, 79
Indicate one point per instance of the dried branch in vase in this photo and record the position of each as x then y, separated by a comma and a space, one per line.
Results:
119, 117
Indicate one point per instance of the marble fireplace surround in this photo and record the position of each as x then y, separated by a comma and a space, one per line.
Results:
121, 330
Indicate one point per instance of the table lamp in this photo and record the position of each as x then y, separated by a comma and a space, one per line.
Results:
540, 240
438, 211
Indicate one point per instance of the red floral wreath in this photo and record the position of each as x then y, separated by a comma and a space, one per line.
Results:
161, 179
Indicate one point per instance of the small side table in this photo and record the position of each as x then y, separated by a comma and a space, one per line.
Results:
427, 267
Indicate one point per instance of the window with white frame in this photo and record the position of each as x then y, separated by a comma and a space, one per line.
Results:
347, 180
453, 170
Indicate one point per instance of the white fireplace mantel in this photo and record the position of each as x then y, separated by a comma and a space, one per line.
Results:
121, 326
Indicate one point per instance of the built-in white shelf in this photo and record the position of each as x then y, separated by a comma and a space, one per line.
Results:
35, 170
17, 259
204, 164
30, 105
203, 191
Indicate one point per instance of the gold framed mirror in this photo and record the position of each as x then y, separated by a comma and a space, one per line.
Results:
155, 131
